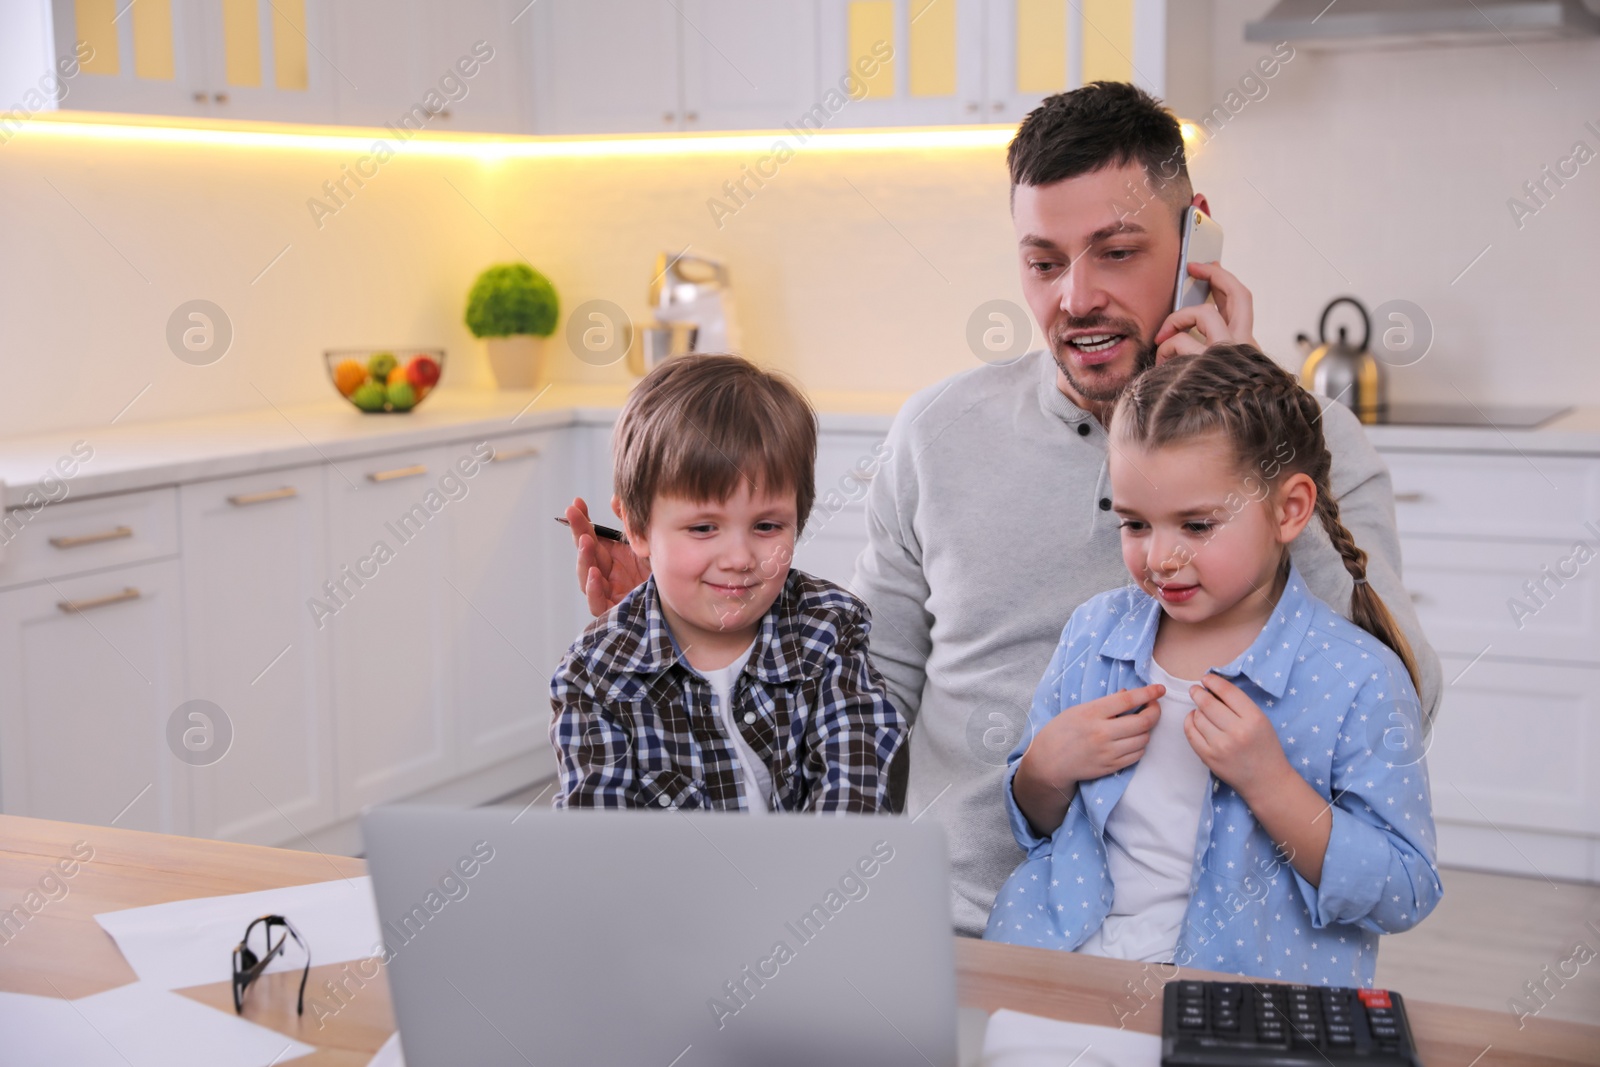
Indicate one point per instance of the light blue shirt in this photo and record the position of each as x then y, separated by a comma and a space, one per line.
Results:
1349, 721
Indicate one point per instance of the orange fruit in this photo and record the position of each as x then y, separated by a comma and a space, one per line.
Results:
348, 375
397, 376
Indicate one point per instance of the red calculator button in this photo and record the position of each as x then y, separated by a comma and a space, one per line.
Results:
1374, 998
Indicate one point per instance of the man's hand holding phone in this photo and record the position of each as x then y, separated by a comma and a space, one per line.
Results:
1231, 319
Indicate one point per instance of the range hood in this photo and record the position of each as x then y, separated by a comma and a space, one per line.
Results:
1350, 24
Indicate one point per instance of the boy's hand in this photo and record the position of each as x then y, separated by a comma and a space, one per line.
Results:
1234, 738
1089, 740
607, 570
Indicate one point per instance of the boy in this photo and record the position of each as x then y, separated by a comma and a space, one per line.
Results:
726, 680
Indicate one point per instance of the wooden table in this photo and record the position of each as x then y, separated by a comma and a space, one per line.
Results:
61, 951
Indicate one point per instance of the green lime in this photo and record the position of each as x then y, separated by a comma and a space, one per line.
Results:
402, 397
369, 396
381, 364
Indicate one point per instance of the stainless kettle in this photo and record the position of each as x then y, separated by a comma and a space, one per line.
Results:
1342, 371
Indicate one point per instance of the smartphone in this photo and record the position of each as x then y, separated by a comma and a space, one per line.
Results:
1202, 243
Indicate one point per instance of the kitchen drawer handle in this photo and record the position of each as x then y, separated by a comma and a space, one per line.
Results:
245, 499
92, 539
1416, 597
399, 472
1410, 498
513, 453
74, 606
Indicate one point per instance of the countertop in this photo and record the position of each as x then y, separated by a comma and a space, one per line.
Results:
145, 455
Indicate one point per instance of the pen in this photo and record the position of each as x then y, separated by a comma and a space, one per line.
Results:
600, 531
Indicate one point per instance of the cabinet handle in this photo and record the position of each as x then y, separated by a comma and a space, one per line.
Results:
972, 107
244, 499
398, 472
1410, 498
221, 98
513, 453
1416, 597
92, 539
998, 105
74, 606
668, 117
199, 97
691, 116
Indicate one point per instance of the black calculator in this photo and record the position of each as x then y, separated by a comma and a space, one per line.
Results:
1249, 1024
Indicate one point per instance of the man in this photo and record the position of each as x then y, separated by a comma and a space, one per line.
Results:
992, 521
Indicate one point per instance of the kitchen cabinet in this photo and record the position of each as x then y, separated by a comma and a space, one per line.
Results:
511, 618
91, 665
642, 66
245, 59
1510, 599
385, 619
254, 553
420, 64
985, 61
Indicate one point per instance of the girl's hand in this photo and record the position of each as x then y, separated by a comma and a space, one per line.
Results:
1234, 738
1086, 741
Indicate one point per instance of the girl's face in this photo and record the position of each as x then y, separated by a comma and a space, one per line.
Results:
719, 566
1199, 534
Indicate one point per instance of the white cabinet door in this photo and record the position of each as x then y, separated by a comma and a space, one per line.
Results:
270, 59
605, 66
254, 557
144, 58
748, 66
509, 575
923, 60
1516, 746
386, 618
86, 692
422, 64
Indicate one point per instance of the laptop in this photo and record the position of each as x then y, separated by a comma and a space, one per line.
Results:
664, 939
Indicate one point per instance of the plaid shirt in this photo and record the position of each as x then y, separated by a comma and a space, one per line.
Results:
635, 726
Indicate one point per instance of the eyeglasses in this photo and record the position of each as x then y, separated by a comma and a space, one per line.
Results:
248, 964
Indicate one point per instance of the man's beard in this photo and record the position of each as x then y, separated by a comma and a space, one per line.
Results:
1097, 386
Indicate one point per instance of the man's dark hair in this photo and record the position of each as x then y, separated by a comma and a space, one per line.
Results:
1099, 125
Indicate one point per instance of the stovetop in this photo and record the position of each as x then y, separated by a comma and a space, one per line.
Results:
1496, 416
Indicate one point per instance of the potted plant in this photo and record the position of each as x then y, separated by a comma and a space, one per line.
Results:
512, 307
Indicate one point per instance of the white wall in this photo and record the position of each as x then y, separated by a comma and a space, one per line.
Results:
1384, 173
1377, 173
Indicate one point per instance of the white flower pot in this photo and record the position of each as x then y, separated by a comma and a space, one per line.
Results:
514, 360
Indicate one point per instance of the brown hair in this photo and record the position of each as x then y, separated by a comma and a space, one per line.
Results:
697, 426
1099, 125
1260, 409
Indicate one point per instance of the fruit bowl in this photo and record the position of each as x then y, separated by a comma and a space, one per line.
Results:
379, 380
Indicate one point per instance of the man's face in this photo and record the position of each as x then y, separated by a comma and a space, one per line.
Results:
1099, 257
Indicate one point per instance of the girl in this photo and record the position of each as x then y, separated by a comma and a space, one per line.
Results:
1266, 811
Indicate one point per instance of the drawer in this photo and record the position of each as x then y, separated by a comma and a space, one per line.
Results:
85, 535
1515, 598
1460, 494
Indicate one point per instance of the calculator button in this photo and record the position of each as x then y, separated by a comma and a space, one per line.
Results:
1226, 1022
1192, 1022
1341, 1040
1374, 998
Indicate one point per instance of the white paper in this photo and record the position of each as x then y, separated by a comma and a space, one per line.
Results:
190, 942
135, 1025
1015, 1039
389, 1055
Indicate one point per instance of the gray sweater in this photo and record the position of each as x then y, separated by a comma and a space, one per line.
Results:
987, 527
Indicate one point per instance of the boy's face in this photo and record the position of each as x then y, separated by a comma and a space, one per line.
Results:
719, 566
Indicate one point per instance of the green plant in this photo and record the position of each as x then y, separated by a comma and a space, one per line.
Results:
512, 298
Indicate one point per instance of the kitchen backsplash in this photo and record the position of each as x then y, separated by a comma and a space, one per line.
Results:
1387, 175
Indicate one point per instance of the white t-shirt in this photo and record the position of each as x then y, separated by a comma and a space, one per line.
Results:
752, 771
1150, 838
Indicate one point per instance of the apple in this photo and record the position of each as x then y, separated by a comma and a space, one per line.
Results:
423, 372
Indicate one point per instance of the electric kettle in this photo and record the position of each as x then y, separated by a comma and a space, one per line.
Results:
1342, 371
